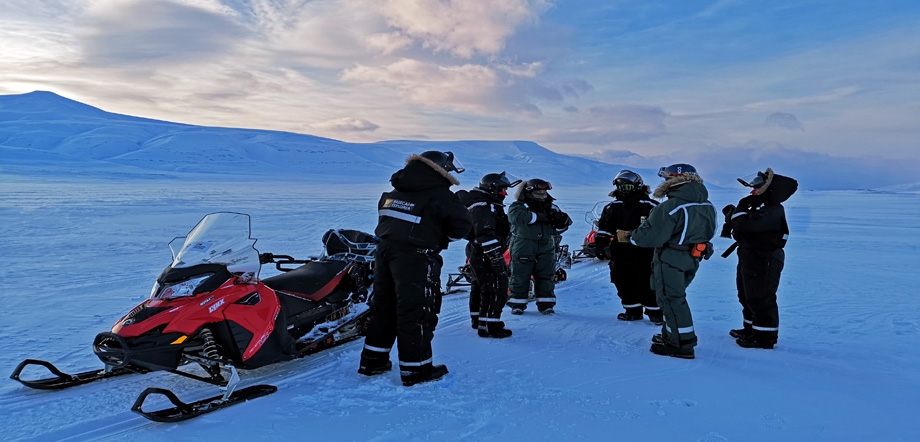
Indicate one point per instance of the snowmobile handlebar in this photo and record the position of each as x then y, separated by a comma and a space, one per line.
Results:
281, 260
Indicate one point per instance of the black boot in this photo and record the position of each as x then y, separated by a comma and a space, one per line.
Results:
494, 330
758, 339
427, 373
655, 317
475, 323
373, 368
629, 317
744, 332
667, 349
659, 339
631, 314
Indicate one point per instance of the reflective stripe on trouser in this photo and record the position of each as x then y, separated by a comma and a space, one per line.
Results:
543, 268
757, 279
671, 290
403, 305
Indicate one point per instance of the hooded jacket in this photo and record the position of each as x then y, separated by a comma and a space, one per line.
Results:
421, 211
531, 226
759, 221
490, 223
624, 214
686, 217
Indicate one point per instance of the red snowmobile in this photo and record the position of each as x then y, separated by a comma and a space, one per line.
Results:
209, 314
588, 248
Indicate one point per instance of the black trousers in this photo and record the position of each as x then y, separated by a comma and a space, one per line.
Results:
404, 306
757, 279
633, 280
489, 291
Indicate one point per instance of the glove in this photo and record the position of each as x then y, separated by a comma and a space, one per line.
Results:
496, 260
623, 235
726, 230
728, 210
560, 220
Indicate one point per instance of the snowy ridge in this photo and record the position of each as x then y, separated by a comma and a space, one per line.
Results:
45, 133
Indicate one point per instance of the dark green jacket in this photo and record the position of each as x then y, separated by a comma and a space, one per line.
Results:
531, 231
686, 217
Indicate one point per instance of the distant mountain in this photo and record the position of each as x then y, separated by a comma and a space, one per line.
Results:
41, 132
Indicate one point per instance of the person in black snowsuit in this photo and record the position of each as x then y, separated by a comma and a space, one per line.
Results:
630, 265
758, 225
485, 251
416, 221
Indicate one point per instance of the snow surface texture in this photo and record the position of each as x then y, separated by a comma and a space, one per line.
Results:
81, 249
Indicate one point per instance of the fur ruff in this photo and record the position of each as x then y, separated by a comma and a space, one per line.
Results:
766, 185
453, 180
674, 181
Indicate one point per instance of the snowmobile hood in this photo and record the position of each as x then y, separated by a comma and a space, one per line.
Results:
420, 174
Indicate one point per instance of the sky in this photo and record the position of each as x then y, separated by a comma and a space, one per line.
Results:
81, 250
620, 81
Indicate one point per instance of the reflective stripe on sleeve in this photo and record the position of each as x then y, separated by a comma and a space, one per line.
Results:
400, 215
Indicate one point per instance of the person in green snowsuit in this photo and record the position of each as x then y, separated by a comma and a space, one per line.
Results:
673, 229
535, 221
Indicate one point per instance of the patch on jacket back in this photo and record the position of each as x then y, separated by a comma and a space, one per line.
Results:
400, 205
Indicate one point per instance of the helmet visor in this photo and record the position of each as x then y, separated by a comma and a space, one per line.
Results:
754, 180
453, 164
509, 180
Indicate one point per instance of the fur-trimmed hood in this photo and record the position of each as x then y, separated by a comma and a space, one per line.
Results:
776, 188
663, 189
414, 157
420, 174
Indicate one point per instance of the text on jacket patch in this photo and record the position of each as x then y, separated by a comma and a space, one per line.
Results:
401, 205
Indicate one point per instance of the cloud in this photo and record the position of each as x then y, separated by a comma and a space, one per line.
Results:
463, 28
783, 120
162, 31
471, 88
602, 125
345, 125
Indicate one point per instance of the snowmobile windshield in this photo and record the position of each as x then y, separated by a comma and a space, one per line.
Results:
219, 238
595, 214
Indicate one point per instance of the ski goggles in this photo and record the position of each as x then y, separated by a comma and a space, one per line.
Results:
543, 185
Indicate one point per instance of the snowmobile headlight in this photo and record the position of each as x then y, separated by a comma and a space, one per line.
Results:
180, 289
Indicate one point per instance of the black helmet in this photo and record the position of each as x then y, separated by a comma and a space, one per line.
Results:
496, 183
445, 160
530, 186
676, 170
627, 181
537, 184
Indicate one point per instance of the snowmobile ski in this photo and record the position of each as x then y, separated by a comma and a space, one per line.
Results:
64, 380
184, 411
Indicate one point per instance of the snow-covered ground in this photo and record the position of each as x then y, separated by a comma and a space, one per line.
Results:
81, 251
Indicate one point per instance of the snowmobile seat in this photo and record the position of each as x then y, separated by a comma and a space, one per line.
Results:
313, 280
